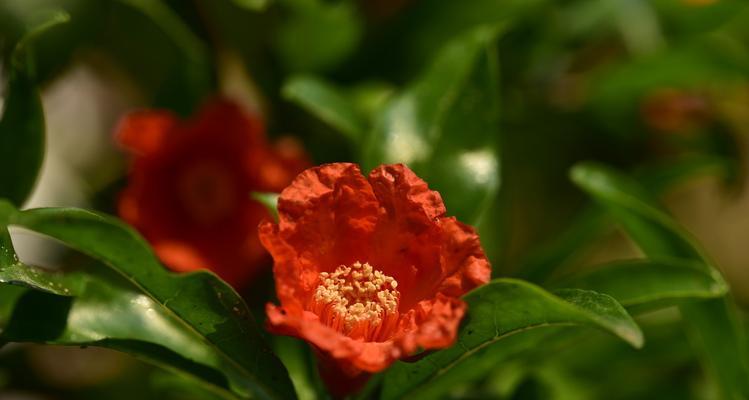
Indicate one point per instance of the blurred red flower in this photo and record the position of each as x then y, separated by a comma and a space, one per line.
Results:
190, 183
672, 110
368, 270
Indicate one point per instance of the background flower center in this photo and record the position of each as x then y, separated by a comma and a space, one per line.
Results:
207, 192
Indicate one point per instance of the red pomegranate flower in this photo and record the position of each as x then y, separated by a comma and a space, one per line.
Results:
190, 183
368, 270
672, 110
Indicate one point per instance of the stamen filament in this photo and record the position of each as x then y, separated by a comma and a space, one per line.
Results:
356, 300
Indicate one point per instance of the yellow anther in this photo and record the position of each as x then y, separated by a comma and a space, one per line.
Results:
358, 294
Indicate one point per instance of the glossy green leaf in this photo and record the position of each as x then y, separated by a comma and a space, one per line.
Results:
207, 329
502, 310
718, 333
445, 125
22, 123
83, 309
493, 359
642, 283
327, 103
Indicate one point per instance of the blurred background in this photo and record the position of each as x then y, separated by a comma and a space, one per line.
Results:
659, 88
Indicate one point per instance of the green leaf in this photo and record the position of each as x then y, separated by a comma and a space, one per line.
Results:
490, 359
717, 331
298, 358
704, 18
107, 312
664, 175
608, 370
317, 35
269, 200
642, 283
327, 103
555, 256
368, 98
171, 386
172, 26
422, 28
445, 126
22, 122
637, 210
9, 295
499, 314
23, 56
21, 138
558, 254
194, 322
254, 5
163, 55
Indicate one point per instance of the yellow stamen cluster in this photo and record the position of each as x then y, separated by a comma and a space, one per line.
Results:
358, 293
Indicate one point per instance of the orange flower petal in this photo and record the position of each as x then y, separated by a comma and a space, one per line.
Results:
180, 256
464, 259
325, 215
407, 240
432, 324
144, 132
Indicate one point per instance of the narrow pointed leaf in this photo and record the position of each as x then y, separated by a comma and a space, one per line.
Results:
555, 256
327, 103
648, 283
718, 332
22, 121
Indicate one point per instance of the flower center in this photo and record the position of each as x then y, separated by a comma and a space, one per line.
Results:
207, 192
357, 300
